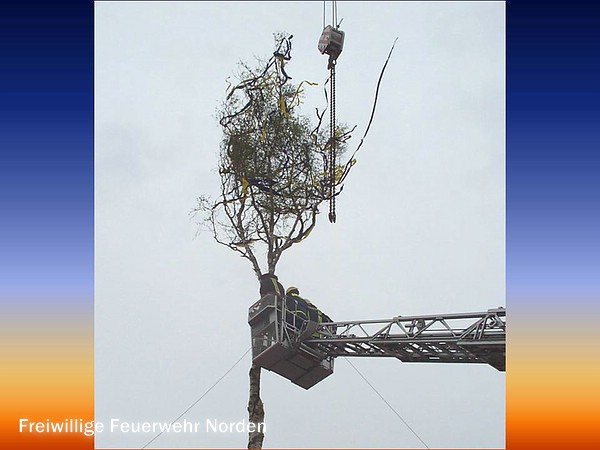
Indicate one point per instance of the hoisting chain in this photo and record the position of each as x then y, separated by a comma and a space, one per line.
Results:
332, 143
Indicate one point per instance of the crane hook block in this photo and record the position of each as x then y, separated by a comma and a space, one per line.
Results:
331, 42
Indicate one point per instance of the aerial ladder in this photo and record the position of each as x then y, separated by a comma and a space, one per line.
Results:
304, 351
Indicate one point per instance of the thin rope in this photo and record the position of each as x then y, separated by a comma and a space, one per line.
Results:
387, 403
375, 101
198, 400
323, 14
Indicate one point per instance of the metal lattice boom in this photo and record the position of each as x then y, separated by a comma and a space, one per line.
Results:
303, 351
451, 338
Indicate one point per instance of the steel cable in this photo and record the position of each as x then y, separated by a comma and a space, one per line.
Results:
200, 398
387, 403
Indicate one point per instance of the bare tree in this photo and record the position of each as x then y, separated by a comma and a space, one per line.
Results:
274, 166
277, 166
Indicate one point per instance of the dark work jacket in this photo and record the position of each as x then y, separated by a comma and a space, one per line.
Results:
295, 314
269, 284
304, 308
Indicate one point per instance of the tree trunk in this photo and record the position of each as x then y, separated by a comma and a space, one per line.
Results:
256, 411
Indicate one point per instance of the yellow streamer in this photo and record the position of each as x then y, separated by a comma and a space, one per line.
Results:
299, 91
245, 185
339, 171
283, 106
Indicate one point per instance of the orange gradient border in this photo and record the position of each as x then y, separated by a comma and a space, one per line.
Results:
47, 368
552, 389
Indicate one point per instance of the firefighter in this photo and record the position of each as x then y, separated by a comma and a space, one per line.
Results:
308, 310
297, 308
304, 309
269, 284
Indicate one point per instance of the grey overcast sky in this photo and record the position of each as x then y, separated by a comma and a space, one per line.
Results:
420, 222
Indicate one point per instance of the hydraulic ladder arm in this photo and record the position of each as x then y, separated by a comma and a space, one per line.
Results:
306, 355
453, 338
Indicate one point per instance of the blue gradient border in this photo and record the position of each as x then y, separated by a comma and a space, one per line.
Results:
47, 157
553, 153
